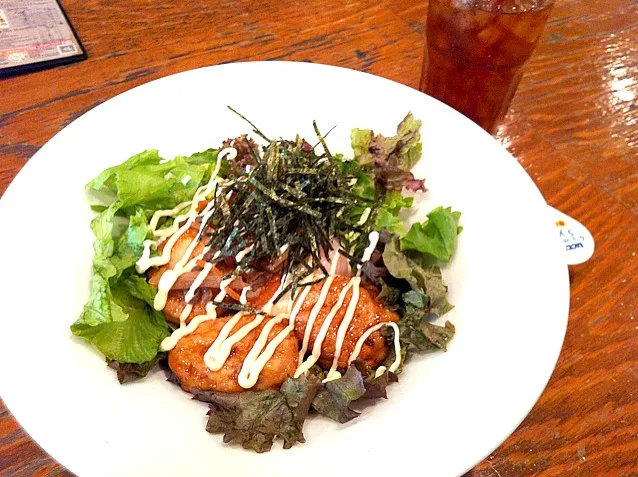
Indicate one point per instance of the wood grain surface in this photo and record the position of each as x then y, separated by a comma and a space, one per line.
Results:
573, 125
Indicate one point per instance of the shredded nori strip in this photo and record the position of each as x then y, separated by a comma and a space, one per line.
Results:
292, 197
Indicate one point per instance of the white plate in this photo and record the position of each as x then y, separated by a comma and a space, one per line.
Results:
508, 281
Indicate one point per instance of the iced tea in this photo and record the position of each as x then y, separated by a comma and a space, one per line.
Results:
475, 52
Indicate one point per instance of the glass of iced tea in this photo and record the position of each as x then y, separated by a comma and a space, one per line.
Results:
475, 51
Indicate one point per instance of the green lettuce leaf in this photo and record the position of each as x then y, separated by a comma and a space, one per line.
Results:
153, 188
394, 201
254, 419
130, 245
118, 318
388, 215
392, 223
138, 287
364, 187
437, 236
148, 181
207, 157
123, 327
106, 181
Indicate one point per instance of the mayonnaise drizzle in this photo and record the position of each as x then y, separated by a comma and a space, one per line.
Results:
170, 342
345, 324
354, 283
380, 370
199, 279
222, 288
183, 316
364, 216
241, 255
267, 308
243, 298
323, 331
323, 294
264, 357
219, 351
373, 237
397, 347
256, 360
165, 213
257, 357
169, 277
145, 262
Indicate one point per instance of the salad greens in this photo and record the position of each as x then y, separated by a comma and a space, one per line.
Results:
388, 214
406, 265
334, 398
149, 182
391, 157
119, 318
254, 418
436, 236
295, 196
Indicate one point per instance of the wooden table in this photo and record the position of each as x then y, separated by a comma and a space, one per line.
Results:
573, 125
